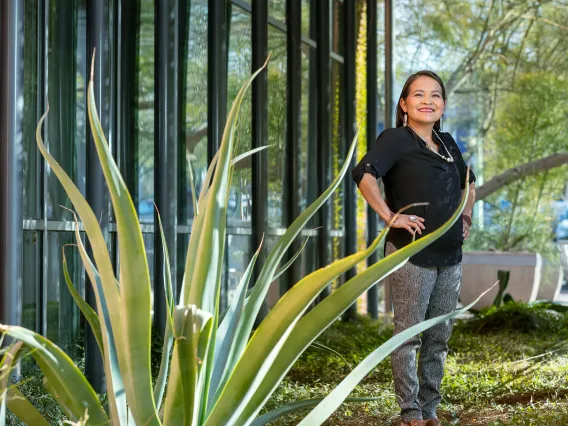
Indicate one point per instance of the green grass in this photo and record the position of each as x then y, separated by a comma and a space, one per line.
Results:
505, 367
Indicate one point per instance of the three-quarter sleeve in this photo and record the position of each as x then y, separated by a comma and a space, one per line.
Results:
380, 158
462, 167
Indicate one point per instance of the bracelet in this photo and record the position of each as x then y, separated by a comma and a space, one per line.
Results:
467, 220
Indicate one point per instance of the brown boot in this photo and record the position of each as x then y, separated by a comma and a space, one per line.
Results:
433, 422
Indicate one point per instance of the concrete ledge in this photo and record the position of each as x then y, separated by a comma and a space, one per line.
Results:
480, 273
551, 282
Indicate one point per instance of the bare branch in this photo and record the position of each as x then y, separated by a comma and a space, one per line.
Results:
521, 171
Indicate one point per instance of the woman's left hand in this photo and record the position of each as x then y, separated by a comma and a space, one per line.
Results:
465, 230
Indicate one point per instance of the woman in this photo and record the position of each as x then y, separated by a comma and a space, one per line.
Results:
419, 163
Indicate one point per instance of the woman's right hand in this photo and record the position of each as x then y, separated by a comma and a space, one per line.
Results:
413, 226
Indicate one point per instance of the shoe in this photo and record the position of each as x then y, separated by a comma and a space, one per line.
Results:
433, 422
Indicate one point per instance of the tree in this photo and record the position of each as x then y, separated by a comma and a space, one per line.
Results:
481, 49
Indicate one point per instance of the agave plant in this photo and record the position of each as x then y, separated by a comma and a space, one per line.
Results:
213, 371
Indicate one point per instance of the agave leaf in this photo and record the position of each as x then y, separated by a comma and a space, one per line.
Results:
226, 331
108, 287
296, 406
115, 384
248, 154
323, 347
24, 409
271, 335
207, 180
67, 384
193, 248
266, 275
192, 330
88, 312
205, 277
8, 360
192, 348
289, 263
204, 261
135, 288
322, 316
160, 386
192, 185
3, 409
326, 407
12, 398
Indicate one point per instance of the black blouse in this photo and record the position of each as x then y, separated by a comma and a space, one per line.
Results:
412, 173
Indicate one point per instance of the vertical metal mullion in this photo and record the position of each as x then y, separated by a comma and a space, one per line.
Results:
388, 101
42, 39
388, 64
311, 255
349, 49
165, 146
324, 131
217, 29
293, 128
372, 220
11, 152
259, 132
98, 33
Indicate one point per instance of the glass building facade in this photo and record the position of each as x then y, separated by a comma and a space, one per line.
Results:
166, 73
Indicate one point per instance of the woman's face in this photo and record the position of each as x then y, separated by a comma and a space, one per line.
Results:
424, 103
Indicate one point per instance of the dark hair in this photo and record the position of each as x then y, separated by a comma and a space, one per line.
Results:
406, 88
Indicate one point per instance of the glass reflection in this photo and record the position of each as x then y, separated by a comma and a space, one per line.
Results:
195, 147
145, 146
61, 313
276, 125
239, 210
65, 90
31, 276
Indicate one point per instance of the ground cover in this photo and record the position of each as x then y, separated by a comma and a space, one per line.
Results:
505, 366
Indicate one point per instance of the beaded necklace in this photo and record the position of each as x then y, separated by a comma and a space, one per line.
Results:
449, 158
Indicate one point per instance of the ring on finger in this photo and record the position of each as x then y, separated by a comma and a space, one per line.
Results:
412, 218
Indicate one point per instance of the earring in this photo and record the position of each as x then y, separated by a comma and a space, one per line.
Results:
441, 123
405, 121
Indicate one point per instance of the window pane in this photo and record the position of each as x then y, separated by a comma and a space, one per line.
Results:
308, 141
62, 314
306, 21
277, 9
145, 201
337, 27
239, 69
196, 109
65, 87
336, 141
31, 275
32, 184
276, 124
239, 254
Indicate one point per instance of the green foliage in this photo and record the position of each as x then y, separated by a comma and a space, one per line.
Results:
505, 376
540, 318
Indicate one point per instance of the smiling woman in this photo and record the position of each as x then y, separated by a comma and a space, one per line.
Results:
422, 166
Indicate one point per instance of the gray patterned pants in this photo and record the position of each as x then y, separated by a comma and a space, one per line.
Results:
420, 293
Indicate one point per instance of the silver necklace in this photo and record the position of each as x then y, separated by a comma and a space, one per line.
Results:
449, 158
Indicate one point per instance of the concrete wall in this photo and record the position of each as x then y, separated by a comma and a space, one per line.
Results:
480, 273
